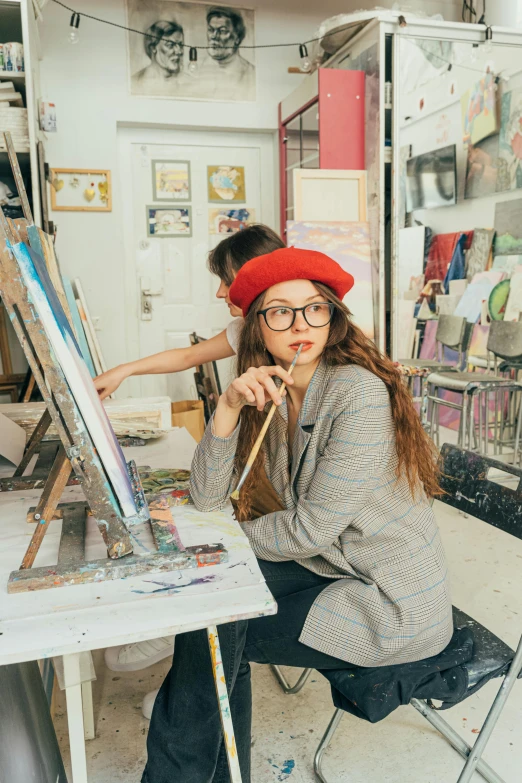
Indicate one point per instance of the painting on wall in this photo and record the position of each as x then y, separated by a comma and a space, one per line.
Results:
510, 142
163, 222
508, 225
170, 180
226, 183
349, 245
159, 60
229, 221
482, 168
477, 256
479, 110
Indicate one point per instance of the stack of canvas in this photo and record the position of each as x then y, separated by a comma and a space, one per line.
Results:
14, 120
9, 96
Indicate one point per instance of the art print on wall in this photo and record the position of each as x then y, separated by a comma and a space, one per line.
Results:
478, 255
349, 245
159, 62
482, 168
479, 110
510, 141
170, 180
226, 183
229, 221
508, 225
164, 222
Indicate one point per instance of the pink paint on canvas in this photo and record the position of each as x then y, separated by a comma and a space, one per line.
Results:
349, 245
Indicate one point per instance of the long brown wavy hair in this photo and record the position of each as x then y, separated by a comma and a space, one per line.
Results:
347, 344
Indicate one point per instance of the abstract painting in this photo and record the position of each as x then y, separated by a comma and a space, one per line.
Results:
508, 264
508, 225
163, 222
170, 180
479, 110
510, 142
68, 356
159, 59
226, 183
478, 254
514, 302
229, 221
482, 168
349, 245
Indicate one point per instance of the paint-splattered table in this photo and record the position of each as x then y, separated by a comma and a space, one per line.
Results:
69, 620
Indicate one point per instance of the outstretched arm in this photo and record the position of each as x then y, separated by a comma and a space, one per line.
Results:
175, 360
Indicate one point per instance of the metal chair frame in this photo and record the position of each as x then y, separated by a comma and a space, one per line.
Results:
481, 486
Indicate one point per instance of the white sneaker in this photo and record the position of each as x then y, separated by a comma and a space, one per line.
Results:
148, 704
140, 655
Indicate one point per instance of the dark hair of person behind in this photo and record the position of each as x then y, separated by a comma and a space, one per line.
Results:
347, 344
234, 16
233, 252
156, 32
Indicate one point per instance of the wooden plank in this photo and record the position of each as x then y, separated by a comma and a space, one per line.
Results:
88, 336
34, 442
164, 530
72, 539
19, 180
91, 571
5, 351
83, 300
54, 486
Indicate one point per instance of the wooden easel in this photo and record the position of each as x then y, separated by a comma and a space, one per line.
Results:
77, 451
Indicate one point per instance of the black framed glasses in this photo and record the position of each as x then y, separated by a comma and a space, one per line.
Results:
281, 318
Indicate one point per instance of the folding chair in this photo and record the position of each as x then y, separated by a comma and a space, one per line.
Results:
207, 382
468, 489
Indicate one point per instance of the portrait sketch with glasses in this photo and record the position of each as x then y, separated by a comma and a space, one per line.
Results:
159, 60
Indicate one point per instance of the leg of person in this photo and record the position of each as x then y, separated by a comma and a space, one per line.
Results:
185, 741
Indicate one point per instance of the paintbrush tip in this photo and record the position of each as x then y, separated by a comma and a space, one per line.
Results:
235, 495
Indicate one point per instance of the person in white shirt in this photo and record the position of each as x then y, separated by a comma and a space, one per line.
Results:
224, 261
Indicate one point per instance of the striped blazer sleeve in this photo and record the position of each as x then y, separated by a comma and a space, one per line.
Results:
211, 475
349, 469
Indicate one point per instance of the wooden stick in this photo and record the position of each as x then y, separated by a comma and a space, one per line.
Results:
257, 445
17, 174
54, 486
34, 442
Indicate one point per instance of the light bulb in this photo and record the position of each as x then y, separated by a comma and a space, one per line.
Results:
193, 59
73, 28
487, 48
306, 64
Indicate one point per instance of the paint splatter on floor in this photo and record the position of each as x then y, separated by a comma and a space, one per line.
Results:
284, 772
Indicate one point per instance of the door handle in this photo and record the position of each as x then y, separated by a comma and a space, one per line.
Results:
146, 298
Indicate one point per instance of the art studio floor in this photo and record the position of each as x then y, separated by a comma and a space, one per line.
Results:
486, 569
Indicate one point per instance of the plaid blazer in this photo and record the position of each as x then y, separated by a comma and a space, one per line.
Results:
347, 518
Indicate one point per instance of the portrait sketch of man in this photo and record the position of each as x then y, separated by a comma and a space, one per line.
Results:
159, 59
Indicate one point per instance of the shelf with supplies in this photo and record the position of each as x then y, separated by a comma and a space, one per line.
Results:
13, 76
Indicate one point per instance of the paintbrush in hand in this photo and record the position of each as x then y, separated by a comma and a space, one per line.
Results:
257, 445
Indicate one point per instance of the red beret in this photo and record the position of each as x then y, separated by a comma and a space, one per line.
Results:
288, 263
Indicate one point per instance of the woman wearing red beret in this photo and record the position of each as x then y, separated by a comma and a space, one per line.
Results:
335, 507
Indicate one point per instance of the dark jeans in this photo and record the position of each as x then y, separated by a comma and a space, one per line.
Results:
185, 742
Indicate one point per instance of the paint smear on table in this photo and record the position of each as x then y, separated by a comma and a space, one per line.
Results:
171, 589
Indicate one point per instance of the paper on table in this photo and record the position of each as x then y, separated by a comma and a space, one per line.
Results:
12, 440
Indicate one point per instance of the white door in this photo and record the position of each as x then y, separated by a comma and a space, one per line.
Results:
173, 269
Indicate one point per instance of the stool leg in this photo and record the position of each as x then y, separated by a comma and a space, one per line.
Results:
327, 738
462, 423
517, 432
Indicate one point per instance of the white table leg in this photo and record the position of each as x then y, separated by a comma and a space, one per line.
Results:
73, 695
88, 711
224, 705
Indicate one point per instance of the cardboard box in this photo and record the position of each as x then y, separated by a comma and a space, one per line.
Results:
189, 414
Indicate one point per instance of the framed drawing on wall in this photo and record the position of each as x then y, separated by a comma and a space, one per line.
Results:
330, 195
81, 190
164, 222
170, 180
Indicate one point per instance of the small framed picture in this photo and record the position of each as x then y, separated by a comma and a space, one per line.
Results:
223, 220
170, 180
165, 222
226, 183
81, 190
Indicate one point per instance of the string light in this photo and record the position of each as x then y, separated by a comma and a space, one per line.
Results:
306, 65
193, 59
488, 41
74, 25
302, 46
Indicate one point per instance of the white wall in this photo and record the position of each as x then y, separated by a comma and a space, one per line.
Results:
88, 83
439, 124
